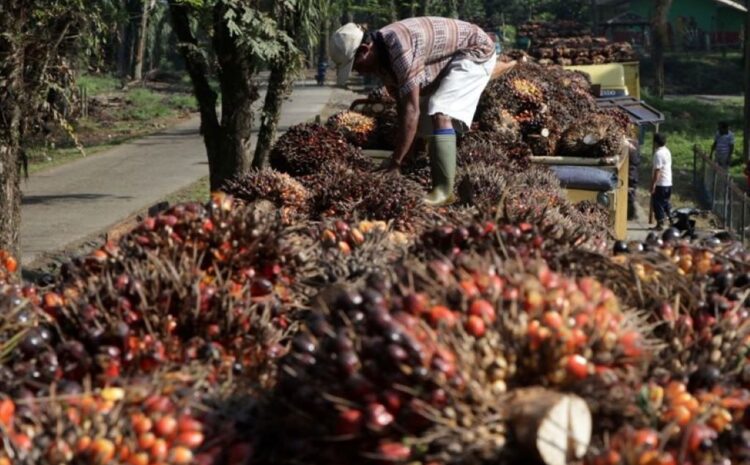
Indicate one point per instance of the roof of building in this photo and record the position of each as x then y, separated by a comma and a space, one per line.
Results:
732, 4
727, 3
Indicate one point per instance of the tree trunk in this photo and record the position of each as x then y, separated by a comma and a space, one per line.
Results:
122, 44
198, 71
157, 48
660, 42
746, 45
278, 89
237, 96
11, 69
142, 38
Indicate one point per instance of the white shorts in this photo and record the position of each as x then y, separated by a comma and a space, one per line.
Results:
457, 94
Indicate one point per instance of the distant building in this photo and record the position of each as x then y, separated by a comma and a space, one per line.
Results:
693, 24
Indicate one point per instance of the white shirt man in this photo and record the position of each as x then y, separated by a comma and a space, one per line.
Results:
661, 181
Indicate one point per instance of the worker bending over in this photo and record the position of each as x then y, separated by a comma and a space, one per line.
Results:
436, 68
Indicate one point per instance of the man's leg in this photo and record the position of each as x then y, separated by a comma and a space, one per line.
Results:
456, 98
442, 160
658, 204
667, 203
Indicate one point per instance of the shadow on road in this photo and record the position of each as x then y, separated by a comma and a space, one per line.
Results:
51, 199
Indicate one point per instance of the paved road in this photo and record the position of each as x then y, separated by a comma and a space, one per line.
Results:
73, 202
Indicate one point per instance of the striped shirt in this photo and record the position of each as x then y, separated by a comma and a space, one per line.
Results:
421, 48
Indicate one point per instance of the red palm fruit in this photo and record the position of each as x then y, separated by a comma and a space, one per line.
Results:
392, 401
159, 450
7, 413
378, 417
140, 458
192, 439
442, 315
393, 451
475, 326
188, 423
82, 444
698, 436
552, 320
166, 426
647, 438
102, 450
666, 312
146, 440
577, 366
484, 310
11, 264
141, 423
416, 304
349, 422
632, 344
469, 288
180, 455
239, 454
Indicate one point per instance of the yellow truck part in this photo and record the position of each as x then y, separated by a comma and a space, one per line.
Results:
616, 199
615, 79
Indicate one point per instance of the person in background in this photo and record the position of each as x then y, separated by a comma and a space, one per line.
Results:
437, 69
723, 146
661, 181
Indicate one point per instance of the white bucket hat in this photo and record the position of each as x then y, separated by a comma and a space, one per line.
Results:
343, 47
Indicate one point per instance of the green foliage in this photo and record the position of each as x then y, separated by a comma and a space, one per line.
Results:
98, 84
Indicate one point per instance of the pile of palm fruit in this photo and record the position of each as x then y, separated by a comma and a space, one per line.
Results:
318, 313
532, 110
569, 43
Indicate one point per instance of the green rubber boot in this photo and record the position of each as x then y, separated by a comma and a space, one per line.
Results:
443, 168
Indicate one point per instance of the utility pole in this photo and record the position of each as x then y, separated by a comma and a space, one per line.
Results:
746, 114
594, 18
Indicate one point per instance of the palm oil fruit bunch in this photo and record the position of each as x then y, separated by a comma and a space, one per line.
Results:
284, 192
27, 339
703, 427
358, 129
228, 238
504, 149
133, 426
149, 316
367, 382
309, 149
348, 252
431, 351
349, 194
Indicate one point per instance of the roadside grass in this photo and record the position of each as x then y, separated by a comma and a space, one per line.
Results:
98, 84
199, 191
138, 112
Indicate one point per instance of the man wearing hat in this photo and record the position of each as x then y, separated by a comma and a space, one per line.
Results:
437, 69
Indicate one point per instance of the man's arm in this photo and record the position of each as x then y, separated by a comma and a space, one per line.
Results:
408, 115
731, 152
713, 148
653, 180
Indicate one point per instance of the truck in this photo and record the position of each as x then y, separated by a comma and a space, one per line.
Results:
615, 85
